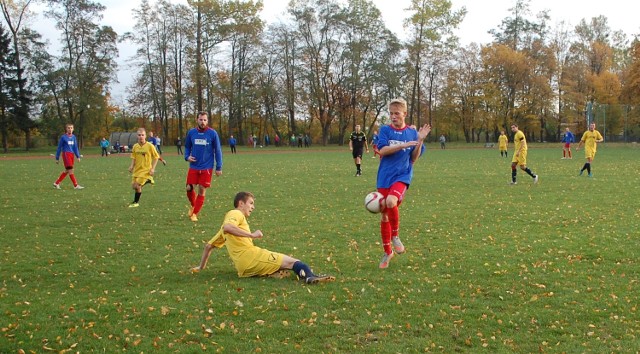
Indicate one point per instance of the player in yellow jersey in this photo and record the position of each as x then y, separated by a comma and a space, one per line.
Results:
503, 141
248, 259
520, 155
589, 140
144, 158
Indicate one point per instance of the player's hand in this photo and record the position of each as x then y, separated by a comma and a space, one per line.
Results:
424, 131
57, 162
256, 234
218, 173
151, 172
130, 169
191, 159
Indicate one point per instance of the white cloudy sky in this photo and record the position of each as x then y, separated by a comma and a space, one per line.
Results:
481, 17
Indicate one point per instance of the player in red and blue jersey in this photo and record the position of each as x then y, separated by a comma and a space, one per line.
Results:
68, 149
567, 139
202, 150
400, 146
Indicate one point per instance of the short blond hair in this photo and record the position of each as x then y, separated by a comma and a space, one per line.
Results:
399, 102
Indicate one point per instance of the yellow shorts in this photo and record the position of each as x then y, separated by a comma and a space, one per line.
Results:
142, 180
589, 153
260, 262
520, 160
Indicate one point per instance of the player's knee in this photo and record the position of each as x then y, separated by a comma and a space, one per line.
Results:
189, 187
391, 202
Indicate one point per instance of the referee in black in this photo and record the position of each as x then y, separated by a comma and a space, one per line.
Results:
357, 141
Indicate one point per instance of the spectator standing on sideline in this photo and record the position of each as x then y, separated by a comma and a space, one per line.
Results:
503, 141
179, 146
68, 148
144, 158
589, 140
357, 141
159, 144
567, 139
443, 140
400, 147
232, 144
201, 150
520, 155
104, 147
248, 259
154, 142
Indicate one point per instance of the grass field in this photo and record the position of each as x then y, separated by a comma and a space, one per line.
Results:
489, 267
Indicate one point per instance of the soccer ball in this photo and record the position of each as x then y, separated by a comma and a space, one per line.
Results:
373, 202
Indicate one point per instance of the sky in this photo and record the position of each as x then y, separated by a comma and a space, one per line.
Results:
482, 15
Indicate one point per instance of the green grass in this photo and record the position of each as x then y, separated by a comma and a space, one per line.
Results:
489, 267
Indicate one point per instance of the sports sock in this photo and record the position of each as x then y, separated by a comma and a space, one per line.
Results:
584, 167
394, 220
569, 153
564, 153
62, 176
198, 204
191, 195
528, 171
136, 197
302, 270
73, 179
588, 166
358, 167
514, 173
385, 232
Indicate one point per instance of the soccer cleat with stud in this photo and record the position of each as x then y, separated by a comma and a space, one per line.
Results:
512, 183
384, 262
322, 278
134, 205
193, 217
590, 175
78, 187
56, 186
580, 174
535, 179
398, 247
163, 162
195, 270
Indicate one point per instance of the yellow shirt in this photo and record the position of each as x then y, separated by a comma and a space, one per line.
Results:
589, 139
143, 156
520, 141
236, 246
502, 141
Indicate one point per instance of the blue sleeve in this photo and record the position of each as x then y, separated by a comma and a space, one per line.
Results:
76, 149
218, 153
187, 146
383, 139
60, 142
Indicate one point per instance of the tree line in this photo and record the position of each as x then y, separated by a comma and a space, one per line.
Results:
324, 67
